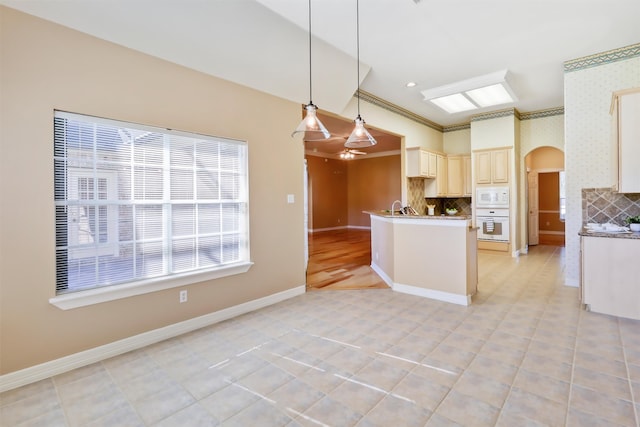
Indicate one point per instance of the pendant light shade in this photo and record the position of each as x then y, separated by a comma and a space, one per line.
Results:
360, 136
312, 127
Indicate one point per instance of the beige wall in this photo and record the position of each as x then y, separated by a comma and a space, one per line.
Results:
493, 133
457, 141
45, 67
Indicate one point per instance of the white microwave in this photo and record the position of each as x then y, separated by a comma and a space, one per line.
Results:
492, 197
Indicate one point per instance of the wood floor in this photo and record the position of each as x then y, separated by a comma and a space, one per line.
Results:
341, 259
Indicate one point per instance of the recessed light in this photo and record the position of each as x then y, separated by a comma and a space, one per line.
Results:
411, 84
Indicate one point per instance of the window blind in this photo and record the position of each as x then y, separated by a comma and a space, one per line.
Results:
135, 202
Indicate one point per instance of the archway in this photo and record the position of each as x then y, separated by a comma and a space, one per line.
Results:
545, 196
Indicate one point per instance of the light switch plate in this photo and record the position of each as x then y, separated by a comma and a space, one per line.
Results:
290, 198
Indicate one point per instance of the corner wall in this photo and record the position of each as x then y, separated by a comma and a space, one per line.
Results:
44, 66
588, 84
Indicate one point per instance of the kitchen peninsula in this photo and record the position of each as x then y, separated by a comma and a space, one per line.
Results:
429, 256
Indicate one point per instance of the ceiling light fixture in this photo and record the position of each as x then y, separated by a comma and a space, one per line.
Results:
360, 137
411, 84
485, 91
312, 127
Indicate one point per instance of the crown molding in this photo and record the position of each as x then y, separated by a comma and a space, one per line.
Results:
372, 99
559, 111
602, 58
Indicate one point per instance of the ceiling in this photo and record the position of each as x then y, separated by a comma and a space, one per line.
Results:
263, 44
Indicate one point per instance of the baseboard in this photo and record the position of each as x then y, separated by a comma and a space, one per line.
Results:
64, 364
342, 227
359, 227
382, 275
421, 292
317, 230
433, 294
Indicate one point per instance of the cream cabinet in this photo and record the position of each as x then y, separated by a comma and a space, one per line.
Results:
610, 272
466, 172
455, 176
421, 163
438, 187
492, 166
626, 111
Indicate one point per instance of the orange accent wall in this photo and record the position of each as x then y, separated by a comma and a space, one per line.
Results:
340, 190
327, 192
549, 200
374, 183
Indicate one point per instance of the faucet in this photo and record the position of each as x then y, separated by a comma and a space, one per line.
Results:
393, 205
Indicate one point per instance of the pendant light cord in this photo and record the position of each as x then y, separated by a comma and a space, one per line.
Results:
358, 50
310, 91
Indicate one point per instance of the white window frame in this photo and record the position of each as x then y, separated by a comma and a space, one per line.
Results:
69, 299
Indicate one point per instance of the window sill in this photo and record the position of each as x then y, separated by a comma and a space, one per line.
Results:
111, 293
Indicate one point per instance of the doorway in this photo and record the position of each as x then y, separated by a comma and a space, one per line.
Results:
545, 197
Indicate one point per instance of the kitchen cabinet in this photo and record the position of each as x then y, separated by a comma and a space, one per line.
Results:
466, 171
626, 110
610, 272
438, 186
421, 163
492, 166
455, 176
441, 175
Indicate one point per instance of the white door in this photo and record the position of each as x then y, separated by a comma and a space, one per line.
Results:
532, 199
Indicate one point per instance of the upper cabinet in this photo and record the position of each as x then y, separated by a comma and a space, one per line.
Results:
466, 171
421, 163
492, 166
442, 175
626, 111
455, 176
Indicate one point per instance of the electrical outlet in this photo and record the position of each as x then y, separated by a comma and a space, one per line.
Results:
183, 296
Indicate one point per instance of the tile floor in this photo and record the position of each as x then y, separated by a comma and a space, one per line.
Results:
524, 354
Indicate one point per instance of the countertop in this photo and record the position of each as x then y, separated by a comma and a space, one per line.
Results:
615, 235
387, 214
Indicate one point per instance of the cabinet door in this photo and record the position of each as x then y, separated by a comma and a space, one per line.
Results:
455, 177
628, 143
500, 166
609, 276
483, 167
432, 162
441, 177
466, 172
424, 163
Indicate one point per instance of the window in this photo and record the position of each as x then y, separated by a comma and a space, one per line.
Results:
136, 204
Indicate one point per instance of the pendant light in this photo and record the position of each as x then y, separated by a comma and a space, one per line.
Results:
360, 137
312, 127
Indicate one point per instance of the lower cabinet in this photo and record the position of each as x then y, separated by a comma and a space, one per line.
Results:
610, 272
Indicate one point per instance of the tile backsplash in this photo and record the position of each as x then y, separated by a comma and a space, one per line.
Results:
602, 205
416, 199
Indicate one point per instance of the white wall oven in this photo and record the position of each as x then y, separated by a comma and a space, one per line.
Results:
493, 224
